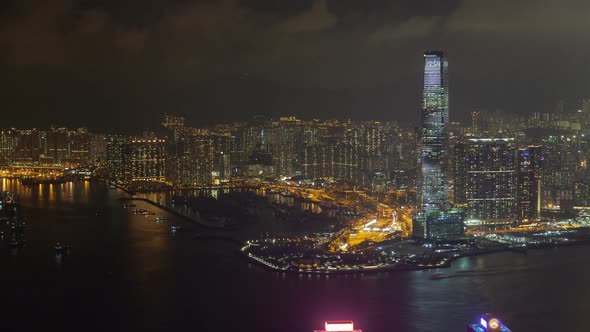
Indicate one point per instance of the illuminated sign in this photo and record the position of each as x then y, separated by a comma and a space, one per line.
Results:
340, 326
432, 64
494, 324
483, 323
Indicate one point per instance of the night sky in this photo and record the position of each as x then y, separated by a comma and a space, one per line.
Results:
121, 64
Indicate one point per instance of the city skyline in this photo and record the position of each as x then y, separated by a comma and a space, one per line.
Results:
81, 64
274, 165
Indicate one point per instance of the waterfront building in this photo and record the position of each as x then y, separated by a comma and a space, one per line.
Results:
98, 149
114, 157
490, 178
7, 146
528, 194
202, 154
432, 220
28, 147
144, 162
79, 148
56, 148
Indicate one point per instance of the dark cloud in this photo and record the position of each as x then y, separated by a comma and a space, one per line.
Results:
225, 59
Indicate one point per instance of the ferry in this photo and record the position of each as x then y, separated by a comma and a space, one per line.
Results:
139, 211
17, 243
440, 275
488, 323
143, 212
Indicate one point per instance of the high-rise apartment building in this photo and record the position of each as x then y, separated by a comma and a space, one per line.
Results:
528, 193
7, 146
57, 145
114, 157
490, 178
144, 161
27, 147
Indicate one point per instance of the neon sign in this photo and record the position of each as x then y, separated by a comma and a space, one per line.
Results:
432, 64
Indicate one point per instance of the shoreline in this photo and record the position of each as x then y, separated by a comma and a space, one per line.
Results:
403, 266
242, 251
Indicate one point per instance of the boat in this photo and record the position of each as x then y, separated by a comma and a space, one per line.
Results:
440, 275
173, 229
139, 211
62, 249
17, 243
161, 219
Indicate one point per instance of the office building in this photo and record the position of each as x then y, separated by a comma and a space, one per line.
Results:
432, 221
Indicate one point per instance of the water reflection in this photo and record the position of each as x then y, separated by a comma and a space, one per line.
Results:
128, 268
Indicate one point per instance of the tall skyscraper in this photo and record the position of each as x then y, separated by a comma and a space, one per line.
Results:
434, 219
433, 188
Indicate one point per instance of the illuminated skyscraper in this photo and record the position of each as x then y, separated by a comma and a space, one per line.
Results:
433, 188
434, 220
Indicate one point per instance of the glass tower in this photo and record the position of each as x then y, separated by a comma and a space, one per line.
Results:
433, 189
434, 219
